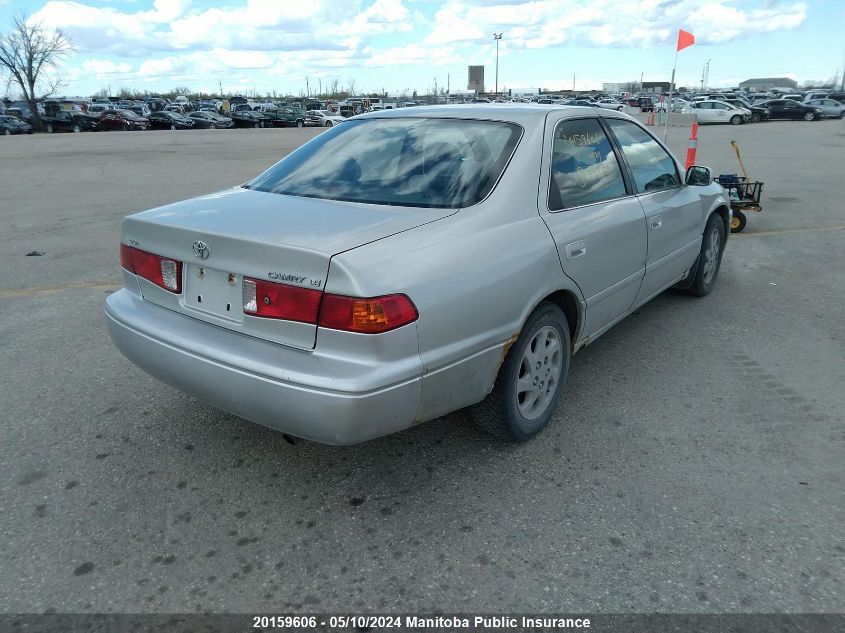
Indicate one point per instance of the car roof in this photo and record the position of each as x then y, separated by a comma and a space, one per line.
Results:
522, 113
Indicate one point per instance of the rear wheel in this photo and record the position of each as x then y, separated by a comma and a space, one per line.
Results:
710, 257
736, 119
809, 116
299, 123
77, 129
7, 132
212, 127
738, 221
49, 128
530, 382
172, 127
329, 124
257, 125
124, 127
755, 117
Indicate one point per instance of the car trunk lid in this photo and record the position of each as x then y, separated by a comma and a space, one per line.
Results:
223, 237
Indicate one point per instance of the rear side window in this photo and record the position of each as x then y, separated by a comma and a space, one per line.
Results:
444, 163
584, 167
651, 166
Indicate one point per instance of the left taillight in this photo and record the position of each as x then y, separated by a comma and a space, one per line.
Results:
162, 271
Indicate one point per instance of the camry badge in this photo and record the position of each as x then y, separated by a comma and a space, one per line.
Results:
201, 249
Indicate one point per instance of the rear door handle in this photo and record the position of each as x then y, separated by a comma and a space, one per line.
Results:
576, 249
655, 222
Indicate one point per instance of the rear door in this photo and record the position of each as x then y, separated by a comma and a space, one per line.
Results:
704, 112
721, 112
597, 225
672, 210
778, 108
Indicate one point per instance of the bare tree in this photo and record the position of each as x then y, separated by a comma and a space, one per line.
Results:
28, 51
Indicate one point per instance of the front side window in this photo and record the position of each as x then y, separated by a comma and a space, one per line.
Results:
444, 163
584, 167
651, 166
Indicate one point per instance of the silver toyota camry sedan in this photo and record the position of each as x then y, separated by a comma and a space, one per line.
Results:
407, 264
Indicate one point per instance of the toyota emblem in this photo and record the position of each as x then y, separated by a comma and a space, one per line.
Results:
201, 249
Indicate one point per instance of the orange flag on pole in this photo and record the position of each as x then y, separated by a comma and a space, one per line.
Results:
685, 38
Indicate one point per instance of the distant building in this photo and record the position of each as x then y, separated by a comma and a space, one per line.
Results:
658, 87
476, 79
613, 87
767, 83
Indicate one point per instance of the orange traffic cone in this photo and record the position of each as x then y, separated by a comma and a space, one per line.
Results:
692, 147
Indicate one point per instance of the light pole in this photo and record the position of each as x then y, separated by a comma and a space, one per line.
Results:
497, 37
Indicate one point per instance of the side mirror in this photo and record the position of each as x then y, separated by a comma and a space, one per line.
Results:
698, 176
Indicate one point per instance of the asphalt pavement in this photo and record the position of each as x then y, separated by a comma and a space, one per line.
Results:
694, 465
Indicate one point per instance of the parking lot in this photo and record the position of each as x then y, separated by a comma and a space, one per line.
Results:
695, 464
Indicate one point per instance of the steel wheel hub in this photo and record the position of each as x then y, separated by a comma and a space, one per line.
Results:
539, 373
711, 256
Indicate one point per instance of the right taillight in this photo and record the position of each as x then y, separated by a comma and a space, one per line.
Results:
367, 316
280, 301
270, 300
162, 271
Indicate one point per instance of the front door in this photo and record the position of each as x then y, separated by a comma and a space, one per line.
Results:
598, 226
672, 210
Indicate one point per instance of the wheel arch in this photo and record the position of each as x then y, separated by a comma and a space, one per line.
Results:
723, 212
571, 308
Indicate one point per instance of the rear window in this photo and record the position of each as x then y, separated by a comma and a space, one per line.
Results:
443, 163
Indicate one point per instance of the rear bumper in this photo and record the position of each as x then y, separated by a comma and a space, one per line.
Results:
255, 379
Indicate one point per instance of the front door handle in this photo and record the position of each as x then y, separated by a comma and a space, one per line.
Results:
576, 249
655, 222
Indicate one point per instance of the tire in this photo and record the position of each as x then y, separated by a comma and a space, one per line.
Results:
299, 123
809, 116
329, 124
755, 117
77, 129
172, 127
736, 119
257, 125
49, 128
212, 127
738, 221
619, 109
124, 127
710, 257
525, 371
7, 132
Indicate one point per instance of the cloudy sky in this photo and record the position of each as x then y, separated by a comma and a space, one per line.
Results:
406, 45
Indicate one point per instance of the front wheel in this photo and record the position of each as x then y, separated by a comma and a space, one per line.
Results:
77, 129
530, 382
710, 257
329, 123
172, 127
49, 128
7, 132
809, 116
738, 221
755, 117
212, 127
736, 119
299, 124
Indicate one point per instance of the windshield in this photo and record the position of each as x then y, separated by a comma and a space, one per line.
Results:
444, 163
